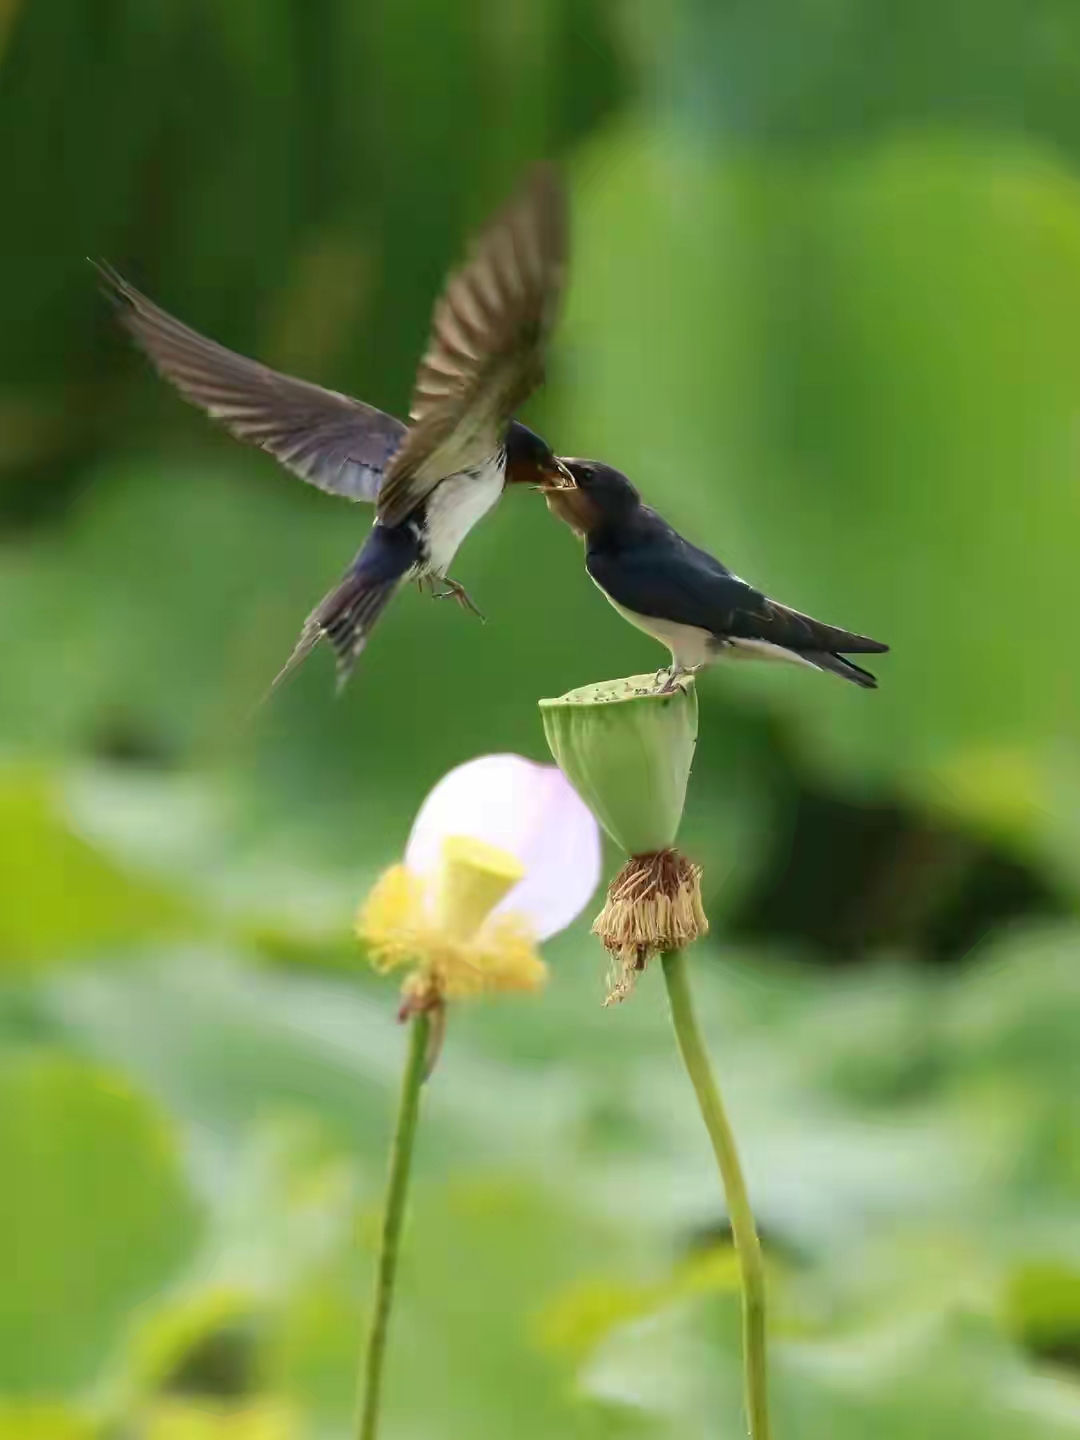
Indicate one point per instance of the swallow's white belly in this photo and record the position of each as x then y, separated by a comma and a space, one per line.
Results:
689, 646
454, 507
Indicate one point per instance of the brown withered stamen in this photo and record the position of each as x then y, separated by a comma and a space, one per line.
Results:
653, 905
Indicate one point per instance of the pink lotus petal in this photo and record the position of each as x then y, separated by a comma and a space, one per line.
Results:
529, 810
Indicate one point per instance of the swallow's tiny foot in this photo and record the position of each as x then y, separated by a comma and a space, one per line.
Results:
674, 674
461, 595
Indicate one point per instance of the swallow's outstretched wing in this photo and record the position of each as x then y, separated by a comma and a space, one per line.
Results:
330, 440
486, 353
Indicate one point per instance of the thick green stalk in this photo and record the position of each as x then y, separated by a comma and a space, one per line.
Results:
396, 1192
743, 1229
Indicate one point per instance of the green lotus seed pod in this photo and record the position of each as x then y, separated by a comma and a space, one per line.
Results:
627, 749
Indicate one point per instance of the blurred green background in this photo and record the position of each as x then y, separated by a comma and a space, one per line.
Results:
825, 310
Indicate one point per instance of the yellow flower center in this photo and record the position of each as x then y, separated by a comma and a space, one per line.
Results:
473, 878
450, 938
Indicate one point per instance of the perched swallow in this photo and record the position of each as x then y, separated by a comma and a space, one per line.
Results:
681, 595
433, 479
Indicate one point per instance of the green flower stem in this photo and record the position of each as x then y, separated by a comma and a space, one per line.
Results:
396, 1192
743, 1229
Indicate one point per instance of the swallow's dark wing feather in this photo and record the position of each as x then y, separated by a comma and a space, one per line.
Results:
486, 352
663, 576
330, 440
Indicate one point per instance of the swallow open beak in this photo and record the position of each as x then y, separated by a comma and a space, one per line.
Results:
557, 477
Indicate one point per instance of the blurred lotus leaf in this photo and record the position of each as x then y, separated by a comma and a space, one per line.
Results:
44, 1422
95, 1218
941, 278
260, 1420
58, 894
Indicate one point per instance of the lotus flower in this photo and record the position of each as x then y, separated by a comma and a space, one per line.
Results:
502, 855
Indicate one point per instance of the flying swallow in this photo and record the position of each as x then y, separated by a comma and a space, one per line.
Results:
432, 479
681, 595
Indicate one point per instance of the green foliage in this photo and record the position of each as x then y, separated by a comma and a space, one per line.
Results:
938, 277
94, 1218
824, 310
42, 1422
57, 893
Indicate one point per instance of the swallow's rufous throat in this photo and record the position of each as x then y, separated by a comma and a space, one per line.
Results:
430, 480
681, 595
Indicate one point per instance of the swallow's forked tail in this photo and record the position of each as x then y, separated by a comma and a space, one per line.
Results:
345, 618
842, 666
825, 646
348, 614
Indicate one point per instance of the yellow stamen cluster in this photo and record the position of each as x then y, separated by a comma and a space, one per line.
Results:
446, 933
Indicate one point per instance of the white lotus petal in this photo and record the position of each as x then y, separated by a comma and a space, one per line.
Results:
495, 798
527, 809
562, 860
